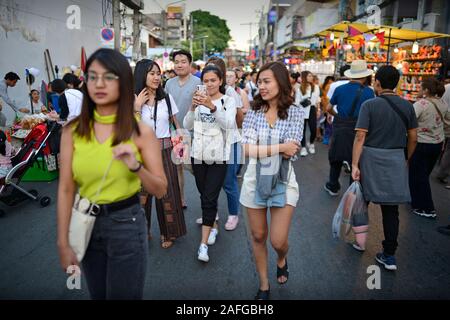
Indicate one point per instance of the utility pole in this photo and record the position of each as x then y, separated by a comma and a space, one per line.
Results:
204, 49
116, 23
164, 28
191, 32
250, 35
275, 31
136, 36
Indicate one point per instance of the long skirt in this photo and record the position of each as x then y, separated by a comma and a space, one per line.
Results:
168, 209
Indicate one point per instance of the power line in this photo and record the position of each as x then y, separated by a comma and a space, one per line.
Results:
158, 4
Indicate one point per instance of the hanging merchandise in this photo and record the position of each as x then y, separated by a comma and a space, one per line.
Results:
380, 36
368, 37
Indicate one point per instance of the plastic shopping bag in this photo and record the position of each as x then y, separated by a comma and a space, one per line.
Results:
352, 214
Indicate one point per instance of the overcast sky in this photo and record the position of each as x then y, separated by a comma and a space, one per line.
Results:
234, 12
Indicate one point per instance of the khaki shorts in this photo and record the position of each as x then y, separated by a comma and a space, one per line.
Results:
247, 198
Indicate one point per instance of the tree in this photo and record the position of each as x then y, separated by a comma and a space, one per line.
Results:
207, 24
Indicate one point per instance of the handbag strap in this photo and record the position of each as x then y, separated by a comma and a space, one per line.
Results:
437, 109
397, 111
103, 179
169, 108
355, 101
155, 113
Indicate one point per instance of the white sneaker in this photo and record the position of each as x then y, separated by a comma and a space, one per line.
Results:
212, 236
200, 220
312, 149
304, 152
203, 253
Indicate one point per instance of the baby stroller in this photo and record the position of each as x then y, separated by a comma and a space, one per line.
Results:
35, 144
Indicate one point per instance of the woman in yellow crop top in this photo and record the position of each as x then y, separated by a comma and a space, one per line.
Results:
106, 140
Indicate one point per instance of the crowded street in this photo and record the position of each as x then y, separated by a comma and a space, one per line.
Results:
197, 151
321, 267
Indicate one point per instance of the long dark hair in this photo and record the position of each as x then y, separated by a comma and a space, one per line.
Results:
214, 68
126, 124
305, 83
284, 97
143, 67
2, 143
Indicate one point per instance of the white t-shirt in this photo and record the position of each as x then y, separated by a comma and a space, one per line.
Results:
162, 117
37, 106
231, 92
74, 102
224, 117
314, 98
250, 85
333, 87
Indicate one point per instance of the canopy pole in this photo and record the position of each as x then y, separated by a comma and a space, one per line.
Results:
389, 48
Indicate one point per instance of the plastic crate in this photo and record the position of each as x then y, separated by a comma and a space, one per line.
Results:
39, 172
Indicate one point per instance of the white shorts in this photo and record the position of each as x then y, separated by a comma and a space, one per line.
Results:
248, 189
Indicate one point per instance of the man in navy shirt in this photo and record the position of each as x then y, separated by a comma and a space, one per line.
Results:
348, 98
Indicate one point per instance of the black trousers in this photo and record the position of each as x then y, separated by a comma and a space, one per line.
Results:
420, 167
390, 228
312, 123
335, 172
209, 179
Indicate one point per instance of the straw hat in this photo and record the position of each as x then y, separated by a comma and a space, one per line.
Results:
358, 69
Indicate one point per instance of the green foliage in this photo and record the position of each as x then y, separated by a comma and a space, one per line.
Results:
207, 24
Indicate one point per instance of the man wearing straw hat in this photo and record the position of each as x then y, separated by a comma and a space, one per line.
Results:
348, 99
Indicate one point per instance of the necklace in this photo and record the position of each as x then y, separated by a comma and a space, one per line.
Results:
109, 119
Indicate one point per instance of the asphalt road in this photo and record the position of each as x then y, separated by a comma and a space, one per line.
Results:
320, 266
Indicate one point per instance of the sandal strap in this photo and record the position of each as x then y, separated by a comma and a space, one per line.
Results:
284, 271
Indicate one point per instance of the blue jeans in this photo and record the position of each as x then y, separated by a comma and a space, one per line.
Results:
230, 186
116, 259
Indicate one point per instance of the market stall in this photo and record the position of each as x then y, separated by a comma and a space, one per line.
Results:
45, 167
380, 45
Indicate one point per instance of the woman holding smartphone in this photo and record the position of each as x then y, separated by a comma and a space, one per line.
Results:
211, 117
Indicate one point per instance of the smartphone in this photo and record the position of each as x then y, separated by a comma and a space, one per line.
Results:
202, 89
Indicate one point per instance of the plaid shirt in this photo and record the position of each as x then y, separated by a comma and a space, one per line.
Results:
256, 130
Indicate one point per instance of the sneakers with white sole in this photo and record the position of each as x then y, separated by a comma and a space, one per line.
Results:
203, 253
200, 220
303, 152
426, 214
231, 223
312, 149
212, 236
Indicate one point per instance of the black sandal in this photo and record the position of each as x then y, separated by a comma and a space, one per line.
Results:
283, 272
263, 295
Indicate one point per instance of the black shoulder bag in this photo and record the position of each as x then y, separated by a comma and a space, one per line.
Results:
402, 117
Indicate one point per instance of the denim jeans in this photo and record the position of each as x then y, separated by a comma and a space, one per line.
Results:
230, 186
116, 259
